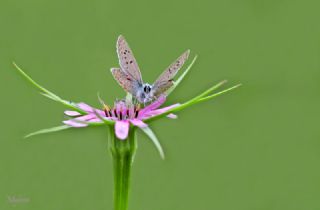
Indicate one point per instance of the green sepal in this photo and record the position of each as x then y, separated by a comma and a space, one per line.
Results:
200, 98
154, 140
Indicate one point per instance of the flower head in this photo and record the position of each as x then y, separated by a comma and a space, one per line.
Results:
122, 114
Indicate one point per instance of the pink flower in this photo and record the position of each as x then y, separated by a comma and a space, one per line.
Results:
122, 114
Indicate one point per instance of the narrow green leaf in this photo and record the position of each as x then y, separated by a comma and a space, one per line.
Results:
211, 89
48, 130
154, 140
219, 93
33, 82
49, 96
48, 93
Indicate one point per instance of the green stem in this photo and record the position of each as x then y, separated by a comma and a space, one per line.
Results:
123, 152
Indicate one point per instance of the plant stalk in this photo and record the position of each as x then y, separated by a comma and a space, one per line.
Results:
122, 152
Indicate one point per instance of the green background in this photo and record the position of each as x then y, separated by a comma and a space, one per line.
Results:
255, 148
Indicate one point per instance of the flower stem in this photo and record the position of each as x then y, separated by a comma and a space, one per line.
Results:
122, 152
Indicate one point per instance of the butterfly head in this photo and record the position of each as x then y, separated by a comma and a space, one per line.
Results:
145, 94
147, 88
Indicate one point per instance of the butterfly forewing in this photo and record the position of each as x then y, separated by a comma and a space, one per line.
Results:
126, 81
127, 61
164, 81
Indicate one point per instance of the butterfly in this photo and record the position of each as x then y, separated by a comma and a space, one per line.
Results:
129, 76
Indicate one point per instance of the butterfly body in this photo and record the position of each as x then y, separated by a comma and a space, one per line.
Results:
129, 77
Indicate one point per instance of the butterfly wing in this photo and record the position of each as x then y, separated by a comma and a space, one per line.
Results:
165, 80
126, 59
162, 87
126, 81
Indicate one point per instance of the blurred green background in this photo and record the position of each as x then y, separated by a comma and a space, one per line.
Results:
255, 148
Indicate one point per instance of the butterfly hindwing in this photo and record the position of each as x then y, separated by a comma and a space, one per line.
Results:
161, 88
126, 81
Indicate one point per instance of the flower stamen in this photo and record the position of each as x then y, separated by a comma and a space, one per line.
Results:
120, 115
136, 113
128, 114
106, 110
122, 111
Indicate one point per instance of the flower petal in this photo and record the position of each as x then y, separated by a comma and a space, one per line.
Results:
156, 104
71, 113
122, 129
93, 120
81, 121
75, 124
85, 107
138, 123
87, 117
100, 112
158, 111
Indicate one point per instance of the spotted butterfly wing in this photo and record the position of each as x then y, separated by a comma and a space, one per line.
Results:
165, 80
127, 61
126, 81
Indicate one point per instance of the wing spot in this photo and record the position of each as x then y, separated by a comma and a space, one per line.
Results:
131, 62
